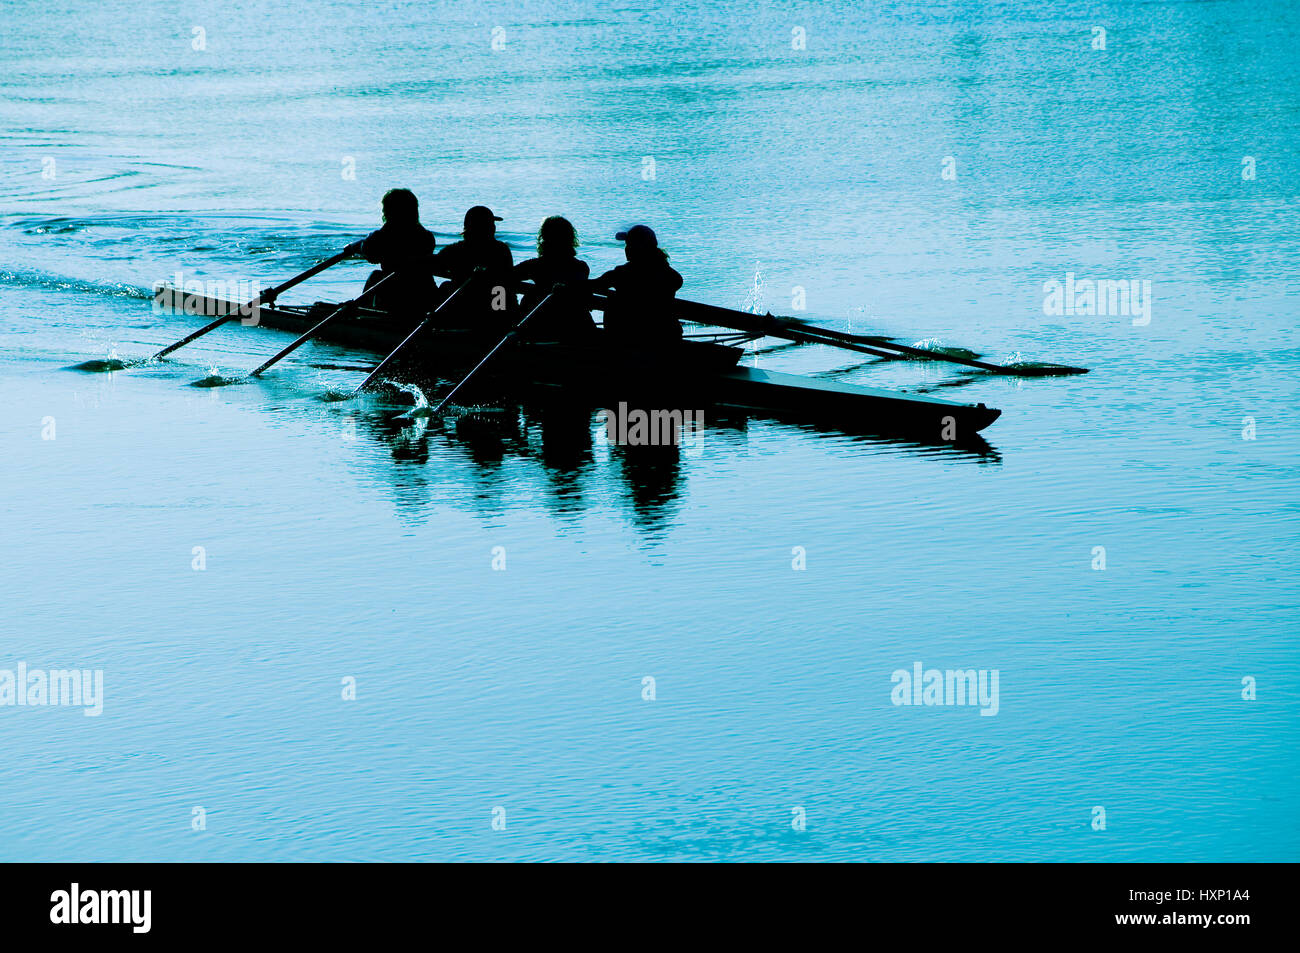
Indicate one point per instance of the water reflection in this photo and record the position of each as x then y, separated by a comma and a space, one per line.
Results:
482, 455
653, 477
568, 457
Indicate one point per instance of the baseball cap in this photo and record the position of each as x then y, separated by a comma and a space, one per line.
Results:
481, 213
638, 235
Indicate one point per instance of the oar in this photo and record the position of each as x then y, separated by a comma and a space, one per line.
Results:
347, 307
418, 328
792, 330
488, 356
266, 297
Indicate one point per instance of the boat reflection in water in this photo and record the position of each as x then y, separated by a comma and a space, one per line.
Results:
566, 449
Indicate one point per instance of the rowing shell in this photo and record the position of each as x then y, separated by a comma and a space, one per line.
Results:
694, 370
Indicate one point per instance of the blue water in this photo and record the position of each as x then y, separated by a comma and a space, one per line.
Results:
339, 545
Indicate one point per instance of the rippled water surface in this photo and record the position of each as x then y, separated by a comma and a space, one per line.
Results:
336, 542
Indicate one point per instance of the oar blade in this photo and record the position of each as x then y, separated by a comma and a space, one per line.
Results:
1037, 369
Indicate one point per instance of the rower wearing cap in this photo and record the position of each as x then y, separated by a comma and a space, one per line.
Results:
402, 245
480, 248
641, 292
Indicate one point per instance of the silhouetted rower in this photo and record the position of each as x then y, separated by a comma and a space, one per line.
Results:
492, 295
404, 246
641, 292
557, 270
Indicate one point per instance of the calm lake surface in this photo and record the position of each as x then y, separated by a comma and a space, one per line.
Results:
919, 170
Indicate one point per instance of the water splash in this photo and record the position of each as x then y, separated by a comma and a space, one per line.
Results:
755, 303
216, 379
415, 395
756, 295
939, 349
418, 400
394, 391
107, 364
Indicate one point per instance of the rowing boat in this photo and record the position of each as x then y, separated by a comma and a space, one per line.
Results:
701, 371
695, 370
